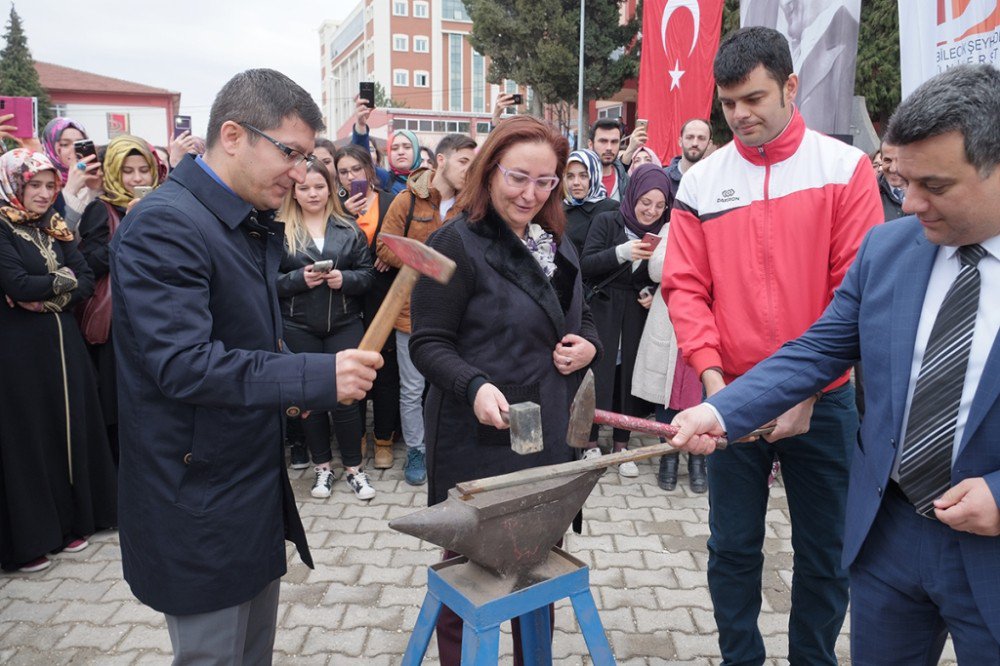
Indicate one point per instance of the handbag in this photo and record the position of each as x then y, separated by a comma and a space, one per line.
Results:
95, 315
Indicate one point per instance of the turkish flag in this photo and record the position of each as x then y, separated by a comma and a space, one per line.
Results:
679, 41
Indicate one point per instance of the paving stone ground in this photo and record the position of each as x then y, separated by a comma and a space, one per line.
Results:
645, 549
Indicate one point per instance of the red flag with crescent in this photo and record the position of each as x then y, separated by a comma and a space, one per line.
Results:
679, 41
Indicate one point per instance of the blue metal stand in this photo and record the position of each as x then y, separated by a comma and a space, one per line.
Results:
483, 601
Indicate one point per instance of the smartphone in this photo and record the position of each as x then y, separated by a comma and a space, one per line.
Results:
139, 191
518, 99
181, 124
25, 110
651, 241
324, 266
640, 122
366, 91
84, 147
359, 187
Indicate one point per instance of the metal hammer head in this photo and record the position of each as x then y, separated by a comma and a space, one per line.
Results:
581, 413
421, 258
525, 420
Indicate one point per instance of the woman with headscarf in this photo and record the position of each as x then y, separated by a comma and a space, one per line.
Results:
643, 155
616, 256
80, 178
57, 479
404, 158
128, 163
585, 195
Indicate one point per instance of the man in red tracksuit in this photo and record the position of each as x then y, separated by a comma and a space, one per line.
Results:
761, 234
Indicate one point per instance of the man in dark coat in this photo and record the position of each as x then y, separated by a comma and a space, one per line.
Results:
205, 380
891, 187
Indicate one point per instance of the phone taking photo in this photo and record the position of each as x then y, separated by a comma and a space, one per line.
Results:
139, 191
518, 99
181, 124
359, 187
25, 110
651, 240
83, 148
640, 122
366, 93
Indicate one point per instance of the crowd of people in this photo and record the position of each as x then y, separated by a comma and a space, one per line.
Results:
241, 296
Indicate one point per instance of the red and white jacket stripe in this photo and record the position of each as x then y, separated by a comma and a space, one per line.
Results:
759, 239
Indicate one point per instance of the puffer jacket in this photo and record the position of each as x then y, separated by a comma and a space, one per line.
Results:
321, 309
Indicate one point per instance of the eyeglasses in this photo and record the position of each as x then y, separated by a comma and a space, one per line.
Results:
521, 180
296, 157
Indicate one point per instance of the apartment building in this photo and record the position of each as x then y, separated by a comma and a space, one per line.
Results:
418, 51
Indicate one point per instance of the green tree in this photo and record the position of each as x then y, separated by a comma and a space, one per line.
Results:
536, 43
730, 23
18, 77
878, 78
383, 101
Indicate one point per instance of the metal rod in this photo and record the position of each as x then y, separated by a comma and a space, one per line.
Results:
579, 96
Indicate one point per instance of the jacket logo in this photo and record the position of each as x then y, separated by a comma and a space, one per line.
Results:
727, 196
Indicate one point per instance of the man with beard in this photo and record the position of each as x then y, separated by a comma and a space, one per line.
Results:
696, 136
605, 140
891, 186
415, 212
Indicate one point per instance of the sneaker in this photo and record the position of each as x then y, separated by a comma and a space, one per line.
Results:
323, 484
628, 469
415, 469
592, 453
300, 456
37, 564
75, 546
360, 485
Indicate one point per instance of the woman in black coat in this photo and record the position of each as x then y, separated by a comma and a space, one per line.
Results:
57, 479
511, 325
616, 253
321, 306
585, 195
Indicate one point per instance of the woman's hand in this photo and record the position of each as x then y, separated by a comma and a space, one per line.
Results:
381, 266
640, 250
131, 204
573, 353
645, 298
77, 179
30, 306
312, 278
334, 279
489, 405
357, 205
184, 144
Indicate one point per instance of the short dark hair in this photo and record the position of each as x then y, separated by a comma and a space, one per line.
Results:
452, 142
607, 124
697, 120
262, 98
963, 99
741, 52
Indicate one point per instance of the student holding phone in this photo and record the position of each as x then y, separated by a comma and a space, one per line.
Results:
324, 275
616, 256
80, 174
128, 164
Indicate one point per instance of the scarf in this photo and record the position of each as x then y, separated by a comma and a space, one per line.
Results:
647, 177
114, 158
654, 159
589, 159
542, 246
50, 142
16, 168
412, 138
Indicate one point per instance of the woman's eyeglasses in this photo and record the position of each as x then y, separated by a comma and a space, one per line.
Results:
521, 180
296, 157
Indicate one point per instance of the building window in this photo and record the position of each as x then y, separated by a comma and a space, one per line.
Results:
421, 79
610, 112
454, 10
401, 77
399, 8
420, 9
478, 83
455, 72
400, 42
421, 44
482, 128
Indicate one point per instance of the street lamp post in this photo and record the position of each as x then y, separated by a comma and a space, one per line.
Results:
579, 97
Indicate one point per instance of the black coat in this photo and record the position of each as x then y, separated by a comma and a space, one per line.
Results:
205, 383
892, 207
320, 309
498, 320
579, 218
617, 314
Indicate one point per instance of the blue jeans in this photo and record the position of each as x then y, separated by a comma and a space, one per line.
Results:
815, 469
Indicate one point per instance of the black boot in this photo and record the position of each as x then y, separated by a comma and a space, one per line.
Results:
667, 478
697, 473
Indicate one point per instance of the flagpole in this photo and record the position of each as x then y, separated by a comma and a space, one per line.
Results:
579, 98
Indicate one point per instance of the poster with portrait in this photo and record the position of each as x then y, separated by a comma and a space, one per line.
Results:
823, 36
117, 124
935, 36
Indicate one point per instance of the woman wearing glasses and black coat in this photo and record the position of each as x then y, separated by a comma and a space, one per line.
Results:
511, 325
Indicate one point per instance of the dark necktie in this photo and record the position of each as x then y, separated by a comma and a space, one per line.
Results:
925, 464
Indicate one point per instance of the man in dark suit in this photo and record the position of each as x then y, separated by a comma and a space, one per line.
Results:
206, 381
918, 307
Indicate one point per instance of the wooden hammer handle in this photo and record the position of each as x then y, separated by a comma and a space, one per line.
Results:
385, 319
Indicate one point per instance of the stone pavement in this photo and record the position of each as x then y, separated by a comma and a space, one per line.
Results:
645, 549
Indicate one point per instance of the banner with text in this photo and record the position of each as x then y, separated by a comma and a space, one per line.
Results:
679, 40
935, 35
823, 36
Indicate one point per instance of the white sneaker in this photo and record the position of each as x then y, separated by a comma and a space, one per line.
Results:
323, 484
628, 469
590, 454
360, 485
